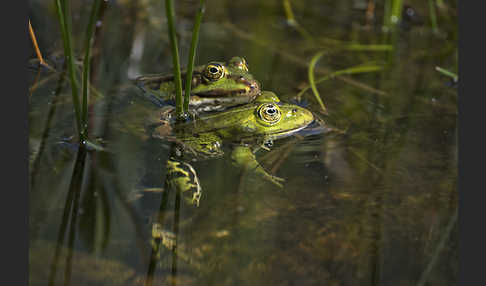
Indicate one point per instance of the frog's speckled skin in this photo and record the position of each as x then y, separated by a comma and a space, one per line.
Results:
244, 128
231, 84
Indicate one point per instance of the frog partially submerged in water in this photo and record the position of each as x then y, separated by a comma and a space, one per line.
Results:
244, 129
214, 86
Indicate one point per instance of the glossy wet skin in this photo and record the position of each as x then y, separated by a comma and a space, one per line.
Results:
246, 128
264, 117
216, 83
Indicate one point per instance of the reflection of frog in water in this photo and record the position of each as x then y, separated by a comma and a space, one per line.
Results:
214, 86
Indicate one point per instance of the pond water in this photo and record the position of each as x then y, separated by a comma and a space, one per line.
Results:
374, 205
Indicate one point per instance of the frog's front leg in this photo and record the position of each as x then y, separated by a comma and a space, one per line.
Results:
243, 157
183, 178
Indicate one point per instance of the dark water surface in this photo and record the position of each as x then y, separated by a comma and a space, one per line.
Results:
374, 206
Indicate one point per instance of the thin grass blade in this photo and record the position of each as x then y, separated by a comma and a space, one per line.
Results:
373, 48
362, 68
433, 16
63, 14
169, 9
86, 62
312, 64
192, 54
447, 73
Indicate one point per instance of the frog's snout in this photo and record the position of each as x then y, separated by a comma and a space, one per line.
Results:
250, 83
306, 115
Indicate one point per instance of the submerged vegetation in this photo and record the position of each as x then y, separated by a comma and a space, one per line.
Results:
378, 193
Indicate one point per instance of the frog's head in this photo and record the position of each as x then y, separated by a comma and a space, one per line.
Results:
214, 83
218, 79
260, 118
279, 119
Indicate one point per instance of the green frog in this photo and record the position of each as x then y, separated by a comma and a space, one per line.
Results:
215, 86
244, 129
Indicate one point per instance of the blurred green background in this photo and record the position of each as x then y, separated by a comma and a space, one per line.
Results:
375, 206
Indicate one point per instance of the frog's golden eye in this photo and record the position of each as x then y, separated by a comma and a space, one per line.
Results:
239, 63
214, 71
269, 113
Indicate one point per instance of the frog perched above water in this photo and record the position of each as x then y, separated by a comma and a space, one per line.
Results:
215, 85
244, 129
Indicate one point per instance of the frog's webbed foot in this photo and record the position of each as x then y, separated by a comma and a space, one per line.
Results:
277, 180
242, 156
183, 178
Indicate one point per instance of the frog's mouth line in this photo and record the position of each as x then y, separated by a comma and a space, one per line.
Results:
248, 90
286, 133
281, 133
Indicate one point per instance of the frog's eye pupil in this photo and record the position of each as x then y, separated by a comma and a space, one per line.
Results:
214, 72
269, 113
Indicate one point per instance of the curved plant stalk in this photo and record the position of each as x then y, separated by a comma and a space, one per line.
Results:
312, 83
192, 55
244, 35
372, 67
169, 10
86, 62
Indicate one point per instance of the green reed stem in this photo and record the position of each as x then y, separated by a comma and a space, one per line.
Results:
393, 13
169, 9
387, 14
371, 48
63, 13
312, 82
433, 16
192, 54
396, 12
86, 62
352, 70
447, 73
289, 15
